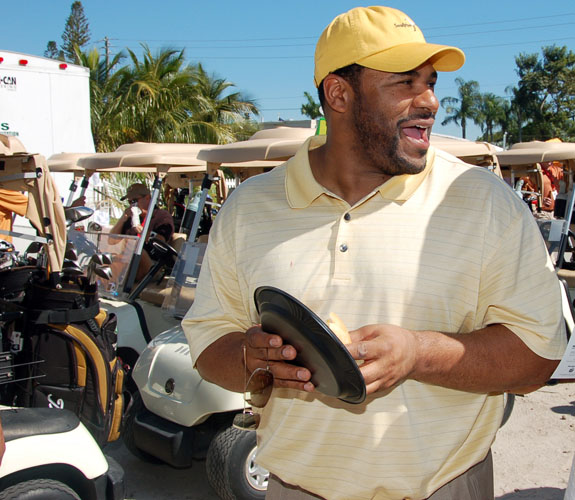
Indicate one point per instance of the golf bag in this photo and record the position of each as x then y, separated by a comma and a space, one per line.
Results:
64, 349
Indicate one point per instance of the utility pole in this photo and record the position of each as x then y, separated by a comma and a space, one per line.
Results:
107, 52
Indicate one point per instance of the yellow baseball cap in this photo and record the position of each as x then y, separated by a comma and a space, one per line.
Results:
379, 38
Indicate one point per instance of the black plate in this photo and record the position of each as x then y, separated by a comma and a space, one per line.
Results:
334, 371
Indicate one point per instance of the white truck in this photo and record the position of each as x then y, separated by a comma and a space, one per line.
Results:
45, 103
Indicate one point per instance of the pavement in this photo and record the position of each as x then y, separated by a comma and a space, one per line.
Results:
532, 456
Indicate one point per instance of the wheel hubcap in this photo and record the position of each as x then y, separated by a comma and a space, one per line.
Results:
257, 476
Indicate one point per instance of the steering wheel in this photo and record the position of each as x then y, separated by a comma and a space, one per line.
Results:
160, 250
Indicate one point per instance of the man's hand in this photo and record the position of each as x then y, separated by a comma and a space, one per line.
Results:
264, 350
389, 353
491, 359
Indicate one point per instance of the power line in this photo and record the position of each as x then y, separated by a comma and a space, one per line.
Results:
424, 29
503, 21
272, 46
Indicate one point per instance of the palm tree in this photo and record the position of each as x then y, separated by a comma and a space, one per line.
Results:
105, 99
491, 112
155, 93
218, 115
311, 108
462, 108
166, 100
161, 98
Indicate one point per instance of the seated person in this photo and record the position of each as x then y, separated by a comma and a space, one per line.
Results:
161, 225
79, 202
551, 177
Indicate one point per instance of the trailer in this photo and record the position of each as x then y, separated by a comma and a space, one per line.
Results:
45, 103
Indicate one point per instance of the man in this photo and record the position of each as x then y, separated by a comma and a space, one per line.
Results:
552, 174
418, 253
161, 225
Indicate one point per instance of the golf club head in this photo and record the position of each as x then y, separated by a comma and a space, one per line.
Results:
70, 269
107, 258
103, 272
77, 214
71, 254
97, 259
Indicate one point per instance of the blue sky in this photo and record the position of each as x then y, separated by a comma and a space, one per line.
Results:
266, 48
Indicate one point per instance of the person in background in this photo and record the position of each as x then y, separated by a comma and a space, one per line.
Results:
552, 175
11, 202
79, 202
161, 225
418, 253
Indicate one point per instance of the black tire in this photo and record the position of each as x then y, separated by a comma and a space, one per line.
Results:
135, 407
129, 358
230, 466
39, 489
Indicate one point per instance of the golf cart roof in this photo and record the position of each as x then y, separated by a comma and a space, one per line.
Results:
147, 157
268, 147
529, 153
463, 148
66, 162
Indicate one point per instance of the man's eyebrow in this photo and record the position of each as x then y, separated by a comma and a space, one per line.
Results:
413, 72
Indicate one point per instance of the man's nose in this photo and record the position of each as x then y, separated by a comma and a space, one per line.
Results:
428, 100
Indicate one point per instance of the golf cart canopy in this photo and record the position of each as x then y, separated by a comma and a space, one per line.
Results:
478, 153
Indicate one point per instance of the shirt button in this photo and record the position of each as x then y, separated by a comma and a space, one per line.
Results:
347, 216
343, 247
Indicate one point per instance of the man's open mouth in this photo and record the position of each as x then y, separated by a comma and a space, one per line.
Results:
418, 134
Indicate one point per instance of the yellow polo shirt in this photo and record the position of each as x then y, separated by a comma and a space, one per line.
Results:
441, 250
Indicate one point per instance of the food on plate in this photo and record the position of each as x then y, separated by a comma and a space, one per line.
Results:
337, 326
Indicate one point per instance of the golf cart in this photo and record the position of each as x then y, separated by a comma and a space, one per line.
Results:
50, 454
526, 158
49, 451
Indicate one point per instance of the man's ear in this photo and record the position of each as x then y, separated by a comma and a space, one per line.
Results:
338, 93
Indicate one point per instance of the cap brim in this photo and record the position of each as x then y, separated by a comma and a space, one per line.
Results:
409, 56
124, 198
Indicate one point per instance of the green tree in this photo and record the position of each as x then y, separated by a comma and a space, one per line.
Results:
463, 108
217, 114
491, 111
76, 32
105, 98
52, 51
160, 98
544, 94
311, 108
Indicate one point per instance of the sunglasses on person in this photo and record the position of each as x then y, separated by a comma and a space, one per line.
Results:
259, 387
134, 200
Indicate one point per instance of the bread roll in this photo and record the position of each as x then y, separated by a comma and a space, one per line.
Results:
337, 326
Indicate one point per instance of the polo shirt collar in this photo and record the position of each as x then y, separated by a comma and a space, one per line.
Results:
302, 188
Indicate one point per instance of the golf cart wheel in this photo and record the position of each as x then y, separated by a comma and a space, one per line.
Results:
231, 468
39, 489
127, 433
